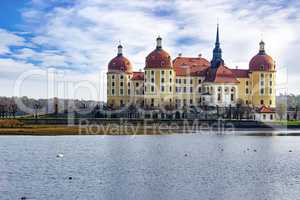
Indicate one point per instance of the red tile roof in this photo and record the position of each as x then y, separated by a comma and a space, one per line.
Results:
222, 74
120, 63
241, 73
188, 66
265, 109
262, 59
158, 58
138, 76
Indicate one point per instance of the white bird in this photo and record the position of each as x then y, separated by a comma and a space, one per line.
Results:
60, 155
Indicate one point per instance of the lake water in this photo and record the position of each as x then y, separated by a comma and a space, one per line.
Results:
150, 167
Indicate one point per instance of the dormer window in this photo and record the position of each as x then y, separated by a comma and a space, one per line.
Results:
261, 67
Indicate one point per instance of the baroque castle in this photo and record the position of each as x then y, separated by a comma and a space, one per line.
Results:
191, 81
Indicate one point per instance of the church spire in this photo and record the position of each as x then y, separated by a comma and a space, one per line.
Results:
217, 52
217, 37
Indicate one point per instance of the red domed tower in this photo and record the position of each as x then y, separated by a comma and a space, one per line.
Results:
120, 63
262, 61
118, 80
159, 77
159, 58
263, 76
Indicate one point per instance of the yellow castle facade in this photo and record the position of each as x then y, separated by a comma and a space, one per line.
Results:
191, 81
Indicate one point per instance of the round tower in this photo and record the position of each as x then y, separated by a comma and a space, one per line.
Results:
263, 77
118, 80
159, 77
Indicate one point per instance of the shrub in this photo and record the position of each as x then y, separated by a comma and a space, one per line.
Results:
10, 123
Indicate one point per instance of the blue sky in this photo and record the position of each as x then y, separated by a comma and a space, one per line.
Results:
73, 40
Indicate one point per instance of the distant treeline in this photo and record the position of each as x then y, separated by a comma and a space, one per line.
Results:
17, 106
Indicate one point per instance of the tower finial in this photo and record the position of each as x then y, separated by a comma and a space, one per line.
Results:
158, 42
262, 47
120, 49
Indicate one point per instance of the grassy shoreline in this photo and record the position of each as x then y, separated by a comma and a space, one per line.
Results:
64, 130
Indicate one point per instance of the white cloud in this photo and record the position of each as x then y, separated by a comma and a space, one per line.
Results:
82, 37
8, 39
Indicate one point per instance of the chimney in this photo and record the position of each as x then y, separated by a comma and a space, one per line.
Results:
236, 67
200, 55
180, 54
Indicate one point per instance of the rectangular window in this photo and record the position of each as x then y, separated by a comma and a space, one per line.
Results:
152, 88
247, 91
170, 72
184, 81
184, 89
264, 116
162, 72
247, 83
162, 80
176, 89
271, 117
262, 91
113, 91
179, 81
162, 88
121, 92
152, 72
170, 80
261, 102
113, 84
191, 89
271, 83
152, 80
199, 90
176, 80
270, 90
199, 81
191, 101
232, 97
191, 81
121, 84
136, 84
121, 77
219, 97
128, 91
113, 77
270, 102
170, 88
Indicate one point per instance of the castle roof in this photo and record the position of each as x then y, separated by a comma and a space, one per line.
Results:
241, 73
137, 76
189, 66
222, 74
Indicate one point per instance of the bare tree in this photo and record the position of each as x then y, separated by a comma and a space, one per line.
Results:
281, 110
